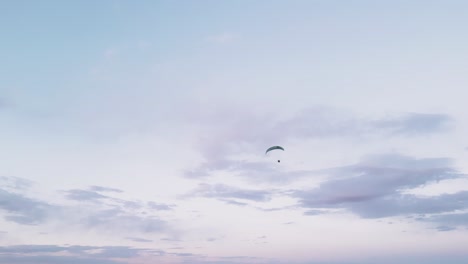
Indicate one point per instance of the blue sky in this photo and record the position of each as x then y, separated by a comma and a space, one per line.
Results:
135, 132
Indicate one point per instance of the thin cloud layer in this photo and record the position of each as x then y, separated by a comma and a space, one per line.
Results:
160, 206
452, 220
104, 214
239, 133
138, 239
415, 124
104, 189
223, 192
83, 195
37, 254
115, 219
15, 183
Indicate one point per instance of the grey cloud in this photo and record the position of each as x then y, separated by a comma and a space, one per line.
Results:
104, 189
314, 212
46, 254
117, 219
14, 183
23, 210
445, 228
27, 211
377, 177
83, 195
24, 259
415, 123
252, 171
276, 208
409, 204
373, 189
323, 122
117, 252
28, 249
451, 220
242, 132
233, 202
129, 204
183, 254
171, 239
320, 122
221, 191
137, 239
93, 195
159, 206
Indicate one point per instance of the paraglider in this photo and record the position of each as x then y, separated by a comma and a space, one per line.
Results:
274, 148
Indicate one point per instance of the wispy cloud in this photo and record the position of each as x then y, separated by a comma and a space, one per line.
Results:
240, 132
160, 206
137, 239
415, 123
222, 192
104, 214
83, 195
104, 189
117, 219
223, 38
14, 183
111, 53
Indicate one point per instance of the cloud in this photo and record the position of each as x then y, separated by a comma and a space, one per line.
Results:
55, 254
26, 259
14, 183
253, 171
24, 210
97, 198
160, 206
222, 38
451, 220
324, 122
445, 228
233, 202
104, 189
314, 212
238, 132
117, 252
374, 189
118, 219
107, 214
83, 195
137, 239
414, 123
222, 192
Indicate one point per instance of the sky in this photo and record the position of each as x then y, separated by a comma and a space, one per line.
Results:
134, 132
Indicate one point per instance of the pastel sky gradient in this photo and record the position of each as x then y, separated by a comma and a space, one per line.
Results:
134, 132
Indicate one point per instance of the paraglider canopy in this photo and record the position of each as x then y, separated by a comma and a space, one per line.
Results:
274, 148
